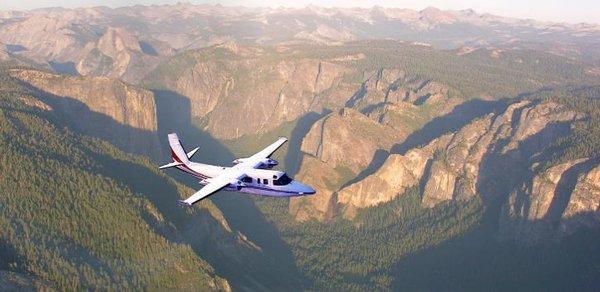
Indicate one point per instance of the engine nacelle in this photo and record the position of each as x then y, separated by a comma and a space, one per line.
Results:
268, 163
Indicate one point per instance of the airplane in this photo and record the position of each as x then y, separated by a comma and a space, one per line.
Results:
251, 175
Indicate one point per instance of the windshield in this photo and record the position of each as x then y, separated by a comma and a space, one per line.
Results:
282, 180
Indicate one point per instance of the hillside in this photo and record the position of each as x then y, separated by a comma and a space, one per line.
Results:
44, 130
450, 150
127, 42
413, 160
63, 230
283, 83
422, 212
123, 114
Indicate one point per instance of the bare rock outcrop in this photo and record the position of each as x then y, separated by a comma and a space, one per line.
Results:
117, 53
338, 147
50, 36
583, 208
398, 173
526, 216
461, 165
4, 55
348, 139
321, 207
500, 141
555, 202
222, 91
107, 108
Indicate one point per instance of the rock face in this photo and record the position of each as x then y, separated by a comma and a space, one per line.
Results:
107, 108
583, 208
348, 142
237, 90
458, 166
323, 206
80, 42
117, 53
527, 213
331, 137
398, 173
340, 144
59, 35
473, 159
246, 90
554, 202
4, 55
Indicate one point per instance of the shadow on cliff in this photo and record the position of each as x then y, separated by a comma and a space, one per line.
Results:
477, 261
137, 177
294, 154
501, 172
460, 116
80, 118
565, 187
274, 267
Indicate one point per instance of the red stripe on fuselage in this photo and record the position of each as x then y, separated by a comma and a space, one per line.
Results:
174, 156
186, 168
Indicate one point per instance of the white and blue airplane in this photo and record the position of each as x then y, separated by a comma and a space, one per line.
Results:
251, 175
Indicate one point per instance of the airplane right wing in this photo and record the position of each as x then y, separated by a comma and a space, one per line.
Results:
215, 185
270, 149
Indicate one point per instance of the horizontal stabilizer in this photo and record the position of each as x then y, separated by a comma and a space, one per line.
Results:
172, 164
191, 153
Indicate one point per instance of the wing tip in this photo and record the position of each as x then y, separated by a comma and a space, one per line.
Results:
184, 203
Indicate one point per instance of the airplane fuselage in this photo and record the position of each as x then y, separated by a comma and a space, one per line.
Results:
262, 182
250, 175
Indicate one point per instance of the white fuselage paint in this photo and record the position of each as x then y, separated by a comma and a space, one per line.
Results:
205, 172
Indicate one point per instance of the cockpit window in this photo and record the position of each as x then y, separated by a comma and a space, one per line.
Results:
282, 180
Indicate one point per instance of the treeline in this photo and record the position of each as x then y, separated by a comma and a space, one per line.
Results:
584, 141
501, 73
400, 245
360, 255
80, 214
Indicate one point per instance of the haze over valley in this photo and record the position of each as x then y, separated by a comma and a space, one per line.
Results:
449, 149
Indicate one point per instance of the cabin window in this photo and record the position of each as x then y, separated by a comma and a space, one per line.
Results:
247, 179
282, 180
258, 180
265, 181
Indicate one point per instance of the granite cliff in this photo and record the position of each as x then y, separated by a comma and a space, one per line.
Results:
122, 114
486, 158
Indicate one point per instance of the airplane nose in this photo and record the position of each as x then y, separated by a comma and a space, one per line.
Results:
305, 189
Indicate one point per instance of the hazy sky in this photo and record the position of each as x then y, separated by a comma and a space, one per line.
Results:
554, 10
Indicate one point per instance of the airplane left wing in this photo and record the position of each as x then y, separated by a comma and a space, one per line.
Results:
215, 185
265, 153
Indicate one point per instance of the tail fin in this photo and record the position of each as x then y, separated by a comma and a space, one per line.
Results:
177, 152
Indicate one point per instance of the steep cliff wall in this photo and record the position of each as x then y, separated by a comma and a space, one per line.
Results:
487, 157
122, 114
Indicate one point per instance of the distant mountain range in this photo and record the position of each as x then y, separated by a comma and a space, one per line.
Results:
128, 42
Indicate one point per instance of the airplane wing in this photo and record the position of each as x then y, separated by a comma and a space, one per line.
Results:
215, 185
270, 149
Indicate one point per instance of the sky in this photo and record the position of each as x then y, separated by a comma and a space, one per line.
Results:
571, 11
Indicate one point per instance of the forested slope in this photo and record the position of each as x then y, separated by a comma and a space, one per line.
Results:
79, 213
467, 243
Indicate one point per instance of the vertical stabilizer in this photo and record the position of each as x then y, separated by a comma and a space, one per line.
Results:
177, 152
